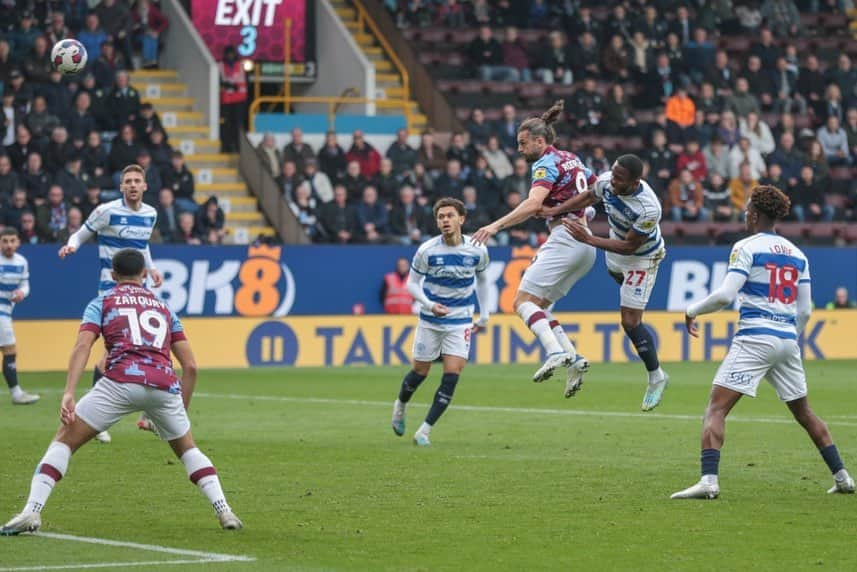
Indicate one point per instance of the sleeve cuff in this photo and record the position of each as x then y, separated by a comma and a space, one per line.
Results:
543, 184
739, 271
178, 337
90, 327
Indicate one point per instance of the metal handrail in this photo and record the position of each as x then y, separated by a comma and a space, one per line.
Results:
332, 103
364, 19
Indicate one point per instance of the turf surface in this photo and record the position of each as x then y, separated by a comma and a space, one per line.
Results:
518, 478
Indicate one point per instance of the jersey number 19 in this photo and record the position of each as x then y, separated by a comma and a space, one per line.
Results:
151, 321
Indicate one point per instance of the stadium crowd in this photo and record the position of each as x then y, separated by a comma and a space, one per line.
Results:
65, 139
715, 97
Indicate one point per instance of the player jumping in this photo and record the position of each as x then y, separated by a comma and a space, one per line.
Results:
442, 281
139, 333
770, 276
124, 223
635, 249
14, 287
562, 260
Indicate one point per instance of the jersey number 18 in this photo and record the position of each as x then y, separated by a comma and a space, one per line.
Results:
782, 283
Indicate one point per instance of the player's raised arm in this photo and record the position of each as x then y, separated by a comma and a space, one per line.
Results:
525, 210
578, 202
89, 229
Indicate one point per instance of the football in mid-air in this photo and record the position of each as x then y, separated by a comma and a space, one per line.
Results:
68, 56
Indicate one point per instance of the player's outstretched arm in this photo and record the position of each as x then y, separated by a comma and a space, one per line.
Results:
716, 301
525, 210
578, 202
77, 363
75, 240
632, 241
184, 354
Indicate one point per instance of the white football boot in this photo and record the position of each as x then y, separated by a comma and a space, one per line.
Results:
559, 359
24, 398
228, 521
842, 483
24, 522
700, 490
574, 376
398, 422
654, 393
103, 437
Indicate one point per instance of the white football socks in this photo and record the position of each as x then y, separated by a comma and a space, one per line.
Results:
561, 336
537, 320
202, 473
51, 469
656, 376
425, 428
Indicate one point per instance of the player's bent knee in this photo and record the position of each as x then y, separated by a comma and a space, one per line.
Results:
75, 435
422, 367
182, 445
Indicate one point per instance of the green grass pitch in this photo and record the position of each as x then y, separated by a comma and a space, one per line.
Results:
518, 478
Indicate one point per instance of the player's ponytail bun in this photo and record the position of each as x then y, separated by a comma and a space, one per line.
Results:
543, 126
552, 115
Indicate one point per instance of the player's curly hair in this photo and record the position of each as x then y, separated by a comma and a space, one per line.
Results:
542, 126
770, 201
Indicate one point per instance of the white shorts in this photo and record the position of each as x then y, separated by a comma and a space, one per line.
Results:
109, 401
559, 263
751, 358
430, 343
638, 277
7, 333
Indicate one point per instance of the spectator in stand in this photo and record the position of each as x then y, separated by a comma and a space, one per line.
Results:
331, 157
451, 13
28, 232
661, 162
642, 54
354, 182
515, 57
298, 151
37, 64
92, 37
810, 82
39, 121
72, 180
744, 153
788, 157
365, 154
786, 124
766, 49
717, 158
720, 75
8, 120
760, 82
74, 221
749, 18
618, 24
22, 147
617, 114
80, 122
461, 152
338, 218
520, 234
289, 180
742, 101
108, 63
840, 300
506, 130
25, 36
233, 99
125, 100
585, 57
597, 161
809, 195
717, 200
681, 115
486, 184
815, 158
146, 123
431, 154
782, 17
96, 161
497, 159
709, 103
21, 91
785, 82
585, 23
149, 26
320, 187
682, 26
116, 18
304, 208
519, 181
269, 154
651, 26
152, 176
403, 156
123, 152
91, 200
57, 95
831, 106
8, 180
486, 54
675, 54
774, 178
478, 129
660, 83
99, 106
686, 199
843, 75
740, 188
728, 132
481, 12
188, 233
168, 216
57, 30
209, 222
555, 65
386, 183
178, 178
851, 131
52, 216
35, 180
692, 159
16, 207
408, 220
372, 217
588, 107
161, 151
758, 132
394, 290
451, 183
616, 60
477, 216
834, 143
699, 55
59, 151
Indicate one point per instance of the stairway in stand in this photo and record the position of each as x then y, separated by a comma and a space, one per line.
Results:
214, 173
387, 78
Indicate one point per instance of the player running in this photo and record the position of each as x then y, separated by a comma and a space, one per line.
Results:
562, 260
124, 223
635, 249
139, 334
14, 287
770, 276
442, 281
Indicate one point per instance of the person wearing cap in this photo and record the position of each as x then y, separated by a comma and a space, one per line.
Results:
25, 36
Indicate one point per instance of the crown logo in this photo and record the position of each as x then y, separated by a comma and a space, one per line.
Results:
264, 251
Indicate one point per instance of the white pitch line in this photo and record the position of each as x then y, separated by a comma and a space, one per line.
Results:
519, 410
211, 556
108, 565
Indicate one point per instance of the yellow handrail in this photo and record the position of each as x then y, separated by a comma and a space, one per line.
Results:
331, 102
363, 18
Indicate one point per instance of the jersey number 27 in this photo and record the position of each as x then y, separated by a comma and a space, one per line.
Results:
782, 283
